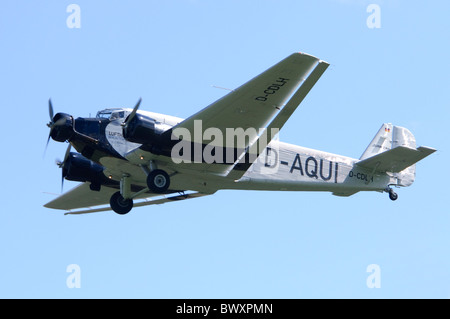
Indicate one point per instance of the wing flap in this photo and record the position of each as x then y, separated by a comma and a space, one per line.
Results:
396, 159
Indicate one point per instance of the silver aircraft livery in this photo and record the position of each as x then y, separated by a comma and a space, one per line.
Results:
130, 158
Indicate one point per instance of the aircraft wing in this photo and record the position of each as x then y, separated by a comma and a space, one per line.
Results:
260, 144
255, 103
146, 202
82, 196
88, 201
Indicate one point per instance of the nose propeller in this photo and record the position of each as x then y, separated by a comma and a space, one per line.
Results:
50, 109
53, 123
61, 126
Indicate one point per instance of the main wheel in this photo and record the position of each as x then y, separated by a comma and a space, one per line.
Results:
393, 195
120, 205
158, 181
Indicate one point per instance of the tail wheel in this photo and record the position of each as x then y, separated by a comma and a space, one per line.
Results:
120, 205
158, 181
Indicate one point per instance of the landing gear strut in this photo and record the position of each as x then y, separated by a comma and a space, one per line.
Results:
392, 195
158, 181
122, 202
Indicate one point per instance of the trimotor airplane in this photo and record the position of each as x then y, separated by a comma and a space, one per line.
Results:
128, 157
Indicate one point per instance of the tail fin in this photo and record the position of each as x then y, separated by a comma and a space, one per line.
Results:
401, 162
382, 142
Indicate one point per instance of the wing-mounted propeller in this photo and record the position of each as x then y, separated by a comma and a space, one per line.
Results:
75, 167
62, 164
141, 129
132, 114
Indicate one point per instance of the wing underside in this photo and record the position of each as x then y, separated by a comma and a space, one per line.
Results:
146, 202
82, 196
82, 200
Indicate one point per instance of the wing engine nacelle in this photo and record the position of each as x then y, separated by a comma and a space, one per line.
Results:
143, 130
80, 169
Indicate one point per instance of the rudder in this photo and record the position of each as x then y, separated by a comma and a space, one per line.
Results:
389, 137
403, 137
382, 142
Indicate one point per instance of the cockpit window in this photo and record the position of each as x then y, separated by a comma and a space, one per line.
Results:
104, 114
111, 115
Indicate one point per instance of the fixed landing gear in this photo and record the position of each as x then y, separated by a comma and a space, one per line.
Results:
392, 195
158, 181
120, 205
122, 202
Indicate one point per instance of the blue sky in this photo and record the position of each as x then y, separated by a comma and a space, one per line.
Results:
235, 244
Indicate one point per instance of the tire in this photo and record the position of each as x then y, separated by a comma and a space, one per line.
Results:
120, 205
158, 181
393, 195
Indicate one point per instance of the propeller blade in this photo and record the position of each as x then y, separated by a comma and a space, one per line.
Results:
46, 145
132, 114
62, 181
50, 109
61, 165
66, 156
50, 124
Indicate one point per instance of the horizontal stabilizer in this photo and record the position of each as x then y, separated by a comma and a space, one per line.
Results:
396, 159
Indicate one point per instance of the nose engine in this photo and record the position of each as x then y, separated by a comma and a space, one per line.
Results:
61, 127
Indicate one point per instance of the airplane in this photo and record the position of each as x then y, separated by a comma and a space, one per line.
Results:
132, 158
